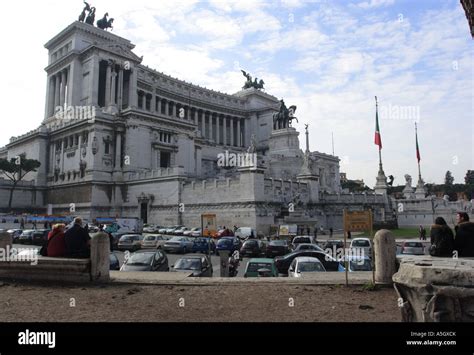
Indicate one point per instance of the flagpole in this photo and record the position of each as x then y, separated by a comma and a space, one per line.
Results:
418, 160
380, 149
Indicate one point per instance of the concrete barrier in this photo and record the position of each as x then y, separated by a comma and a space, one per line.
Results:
385, 250
38, 268
5, 240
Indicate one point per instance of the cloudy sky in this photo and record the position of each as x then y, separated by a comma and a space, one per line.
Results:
330, 58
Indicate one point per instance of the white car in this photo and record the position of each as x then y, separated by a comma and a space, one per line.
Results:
304, 264
155, 241
359, 263
245, 233
188, 233
300, 239
362, 247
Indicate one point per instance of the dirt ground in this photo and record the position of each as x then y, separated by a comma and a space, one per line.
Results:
129, 303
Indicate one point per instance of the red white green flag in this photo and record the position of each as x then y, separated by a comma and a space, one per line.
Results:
378, 137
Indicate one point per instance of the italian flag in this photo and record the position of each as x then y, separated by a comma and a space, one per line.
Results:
417, 147
378, 138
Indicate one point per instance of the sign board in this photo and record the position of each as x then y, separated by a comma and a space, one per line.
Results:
209, 224
288, 229
358, 221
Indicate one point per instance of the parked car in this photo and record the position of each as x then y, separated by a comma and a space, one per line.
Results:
307, 246
188, 232
230, 244
224, 233
15, 233
363, 246
92, 228
26, 236
163, 230
40, 236
413, 248
155, 241
200, 265
336, 243
330, 264
178, 245
359, 263
114, 262
131, 242
196, 233
34, 236
201, 245
261, 266
180, 231
299, 239
151, 228
253, 248
171, 230
277, 248
245, 233
146, 260
305, 264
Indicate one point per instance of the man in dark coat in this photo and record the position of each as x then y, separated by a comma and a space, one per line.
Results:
77, 241
464, 241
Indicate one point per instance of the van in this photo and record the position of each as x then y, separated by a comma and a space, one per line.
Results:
245, 232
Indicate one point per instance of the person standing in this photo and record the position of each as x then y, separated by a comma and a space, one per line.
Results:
422, 233
77, 241
442, 239
330, 232
464, 241
22, 223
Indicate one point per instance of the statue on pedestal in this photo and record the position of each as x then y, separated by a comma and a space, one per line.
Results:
283, 118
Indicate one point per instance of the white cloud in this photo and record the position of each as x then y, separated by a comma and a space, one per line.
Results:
375, 3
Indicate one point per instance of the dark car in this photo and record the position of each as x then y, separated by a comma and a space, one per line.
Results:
224, 233
201, 245
146, 260
26, 236
277, 248
200, 265
114, 262
253, 248
40, 236
331, 244
329, 263
230, 244
15, 233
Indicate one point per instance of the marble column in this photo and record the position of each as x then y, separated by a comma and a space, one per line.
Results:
232, 141
51, 108
132, 89
57, 91
239, 134
108, 77
118, 151
153, 103
224, 130
120, 89
203, 124
113, 79
62, 91
218, 129
210, 127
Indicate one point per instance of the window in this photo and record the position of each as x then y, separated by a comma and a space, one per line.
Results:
107, 147
165, 159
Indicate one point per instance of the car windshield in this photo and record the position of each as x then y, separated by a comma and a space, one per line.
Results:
250, 243
127, 238
254, 267
176, 239
188, 264
360, 243
150, 238
140, 259
361, 265
413, 245
278, 243
224, 242
310, 266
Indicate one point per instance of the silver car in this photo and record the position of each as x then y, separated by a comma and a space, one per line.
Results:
155, 241
413, 248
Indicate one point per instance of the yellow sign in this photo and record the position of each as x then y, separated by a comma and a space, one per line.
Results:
209, 225
358, 221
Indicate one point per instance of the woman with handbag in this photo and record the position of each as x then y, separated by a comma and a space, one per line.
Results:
442, 239
56, 243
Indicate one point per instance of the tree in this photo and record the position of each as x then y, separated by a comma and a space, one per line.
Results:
448, 179
469, 178
16, 169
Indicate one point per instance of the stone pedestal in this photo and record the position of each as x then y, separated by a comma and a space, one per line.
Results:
285, 142
385, 250
100, 262
433, 289
420, 191
381, 184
